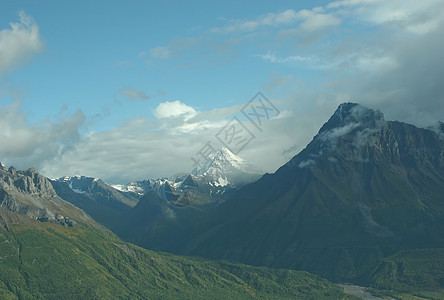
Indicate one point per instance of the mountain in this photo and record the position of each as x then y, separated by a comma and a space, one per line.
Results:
166, 214
98, 199
156, 224
226, 171
99, 190
204, 187
50, 249
29, 194
140, 188
408, 269
361, 191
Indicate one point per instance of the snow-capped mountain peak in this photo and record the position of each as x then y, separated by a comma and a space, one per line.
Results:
225, 162
141, 187
227, 169
77, 183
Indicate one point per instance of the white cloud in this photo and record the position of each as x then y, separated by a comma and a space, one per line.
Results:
314, 21
271, 19
418, 17
32, 145
333, 134
139, 149
311, 20
392, 61
347, 3
19, 43
134, 94
174, 109
271, 57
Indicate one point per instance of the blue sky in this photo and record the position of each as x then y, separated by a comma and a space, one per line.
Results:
130, 90
94, 50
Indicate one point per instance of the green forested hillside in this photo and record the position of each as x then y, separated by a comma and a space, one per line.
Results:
418, 272
50, 261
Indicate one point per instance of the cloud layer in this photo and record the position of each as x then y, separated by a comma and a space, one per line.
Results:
34, 145
19, 43
382, 54
310, 20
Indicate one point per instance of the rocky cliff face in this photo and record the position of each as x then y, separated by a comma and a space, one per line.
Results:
30, 194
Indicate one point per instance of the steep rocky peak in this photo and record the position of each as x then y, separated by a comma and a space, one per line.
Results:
351, 125
356, 133
352, 115
29, 181
12, 170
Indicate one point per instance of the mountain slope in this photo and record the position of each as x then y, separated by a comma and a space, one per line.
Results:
363, 189
30, 194
44, 258
99, 200
157, 225
99, 191
165, 215
410, 268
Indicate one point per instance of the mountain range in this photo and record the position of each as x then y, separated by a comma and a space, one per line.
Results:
362, 193
363, 202
50, 249
212, 183
363, 189
98, 199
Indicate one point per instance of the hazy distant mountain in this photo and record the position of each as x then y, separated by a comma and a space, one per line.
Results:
99, 190
226, 171
215, 181
178, 201
101, 201
361, 190
164, 216
140, 188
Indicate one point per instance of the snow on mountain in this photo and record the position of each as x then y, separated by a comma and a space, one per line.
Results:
77, 183
140, 188
224, 172
227, 169
98, 192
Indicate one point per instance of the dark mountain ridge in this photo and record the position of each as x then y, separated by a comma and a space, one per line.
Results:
363, 189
